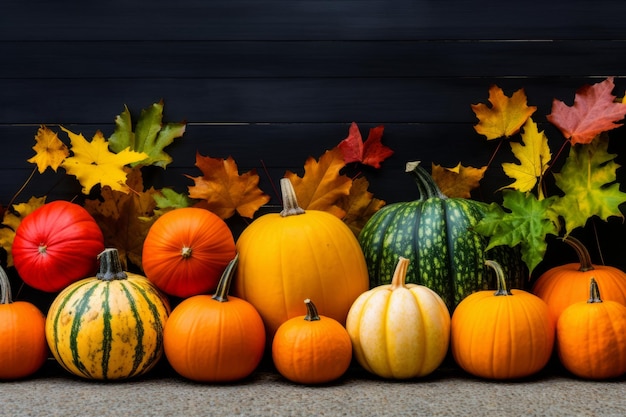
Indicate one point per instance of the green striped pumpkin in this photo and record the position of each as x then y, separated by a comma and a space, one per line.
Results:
434, 232
108, 327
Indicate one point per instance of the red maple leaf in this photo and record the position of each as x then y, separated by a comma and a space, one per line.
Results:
371, 153
594, 111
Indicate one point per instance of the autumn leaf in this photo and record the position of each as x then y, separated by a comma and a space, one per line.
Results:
92, 163
526, 222
125, 218
359, 205
506, 115
150, 136
534, 157
457, 182
167, 198
49, 150
223, 191
322, 186
594, 111
588, 179
371, 153
12, 219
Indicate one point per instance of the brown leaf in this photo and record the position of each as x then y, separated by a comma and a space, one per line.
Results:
457, 182
125, 218
359, 205
321, 187
223, 191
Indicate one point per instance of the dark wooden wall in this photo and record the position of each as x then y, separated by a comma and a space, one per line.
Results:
273, 82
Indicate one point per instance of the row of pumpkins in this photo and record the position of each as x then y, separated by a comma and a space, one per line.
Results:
413, 287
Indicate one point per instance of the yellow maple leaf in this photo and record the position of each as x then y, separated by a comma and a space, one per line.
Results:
322, 186
92, 163
223, 191
457, 182
506, 115
49, 150
534, 156
12, 219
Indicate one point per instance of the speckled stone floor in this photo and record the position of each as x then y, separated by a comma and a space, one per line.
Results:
447, 392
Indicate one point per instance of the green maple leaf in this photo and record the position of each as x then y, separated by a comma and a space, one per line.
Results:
588, 179
526, 222
150, 136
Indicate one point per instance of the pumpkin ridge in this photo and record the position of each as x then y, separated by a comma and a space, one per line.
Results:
139, 329
76, 324
107, 332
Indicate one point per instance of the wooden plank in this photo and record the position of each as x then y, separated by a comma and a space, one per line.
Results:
326, 100
311, 20
294, 59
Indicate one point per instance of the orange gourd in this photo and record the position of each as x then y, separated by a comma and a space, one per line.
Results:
215, 338
311, 349
23, 346
288, 257
502, 335
186, 251
562, 285
591, 337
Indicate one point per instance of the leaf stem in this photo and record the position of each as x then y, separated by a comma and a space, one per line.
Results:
30, 177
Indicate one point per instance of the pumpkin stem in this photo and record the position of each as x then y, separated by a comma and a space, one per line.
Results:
186, 252
582, 252
110, 266
5, 288
399, 275
311, 311
594, 292
290, 203
223, 286
425, 184
500, 279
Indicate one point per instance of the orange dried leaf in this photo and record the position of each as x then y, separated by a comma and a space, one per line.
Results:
359, 205
125, 218
457, 182
223, 191
594, 111
506, 115
371, 153
321, 187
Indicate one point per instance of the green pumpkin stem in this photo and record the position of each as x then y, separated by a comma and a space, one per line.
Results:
594, 292
5, 288
223, 286
311, 311
501, 288
425, 184
583, 254
290, 203
110, 266
399, 274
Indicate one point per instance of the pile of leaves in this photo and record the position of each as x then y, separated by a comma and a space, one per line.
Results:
587, 182
109, 171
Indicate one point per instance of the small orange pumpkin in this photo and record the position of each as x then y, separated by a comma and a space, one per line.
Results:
23, 346
591, 337
215, 338
502, 335
186, 251
311, 349
562, 285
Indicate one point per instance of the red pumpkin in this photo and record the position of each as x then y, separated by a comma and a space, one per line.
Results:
23, 346
56, 245
186, 250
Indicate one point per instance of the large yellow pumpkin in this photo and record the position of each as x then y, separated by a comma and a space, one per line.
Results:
399, 330
288, 257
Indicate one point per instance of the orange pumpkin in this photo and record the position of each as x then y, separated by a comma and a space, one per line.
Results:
215, 338
311, 349
23, 346
591, 337
288, 257
502, 335
186, 251
562, 285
